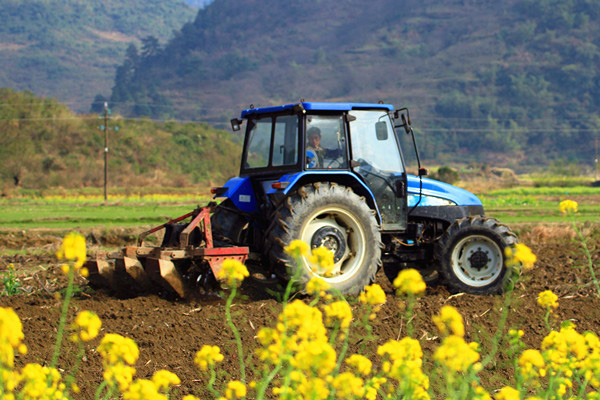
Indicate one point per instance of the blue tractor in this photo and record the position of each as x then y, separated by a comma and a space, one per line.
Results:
332, 175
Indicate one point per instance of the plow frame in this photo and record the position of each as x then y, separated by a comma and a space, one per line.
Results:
158, 262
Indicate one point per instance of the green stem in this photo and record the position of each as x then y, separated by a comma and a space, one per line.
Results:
410, 303
546, 317
343, 351
260, 393
63, 317
586, 251
100, 389
71, 378
501, 324
211, 382
236, 333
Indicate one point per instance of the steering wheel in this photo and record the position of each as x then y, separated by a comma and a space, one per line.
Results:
367, 169
337, 160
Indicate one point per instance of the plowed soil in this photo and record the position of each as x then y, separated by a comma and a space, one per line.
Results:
169, 331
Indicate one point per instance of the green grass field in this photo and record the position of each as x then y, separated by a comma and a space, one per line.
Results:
73, 210
84, 212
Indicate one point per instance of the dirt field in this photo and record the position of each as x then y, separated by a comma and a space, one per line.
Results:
169, 332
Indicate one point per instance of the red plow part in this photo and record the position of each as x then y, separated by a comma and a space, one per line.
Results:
175, 268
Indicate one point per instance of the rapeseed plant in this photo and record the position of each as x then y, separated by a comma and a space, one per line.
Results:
548, 301
568, 208
409, 284
10, 283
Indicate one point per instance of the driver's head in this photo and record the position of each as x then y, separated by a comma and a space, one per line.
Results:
314, 136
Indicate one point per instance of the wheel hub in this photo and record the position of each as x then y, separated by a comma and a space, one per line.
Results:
331, 238
479, 260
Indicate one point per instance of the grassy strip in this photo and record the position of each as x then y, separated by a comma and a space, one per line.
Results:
73, 216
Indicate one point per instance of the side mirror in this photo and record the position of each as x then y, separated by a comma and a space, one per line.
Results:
235, 124
404, 116
381, 130
423, 172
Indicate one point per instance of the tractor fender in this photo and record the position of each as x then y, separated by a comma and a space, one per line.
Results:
290, 182
240, 191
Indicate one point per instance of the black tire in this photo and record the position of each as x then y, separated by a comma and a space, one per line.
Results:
335, 216
228, 226
471, 255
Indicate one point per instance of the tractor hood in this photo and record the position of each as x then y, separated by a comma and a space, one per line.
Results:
436, 191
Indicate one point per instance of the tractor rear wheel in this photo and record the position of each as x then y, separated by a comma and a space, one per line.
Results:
471, 255
333, 216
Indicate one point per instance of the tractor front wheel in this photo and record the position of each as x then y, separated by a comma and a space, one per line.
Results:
471, 255
333, 216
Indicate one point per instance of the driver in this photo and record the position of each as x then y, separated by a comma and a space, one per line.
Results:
318, 153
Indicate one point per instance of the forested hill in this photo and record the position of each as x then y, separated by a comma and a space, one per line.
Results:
483, 78
43, 144
68, 49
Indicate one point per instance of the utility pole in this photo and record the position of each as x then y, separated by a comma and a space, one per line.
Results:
105, 151
105, 128
596, 163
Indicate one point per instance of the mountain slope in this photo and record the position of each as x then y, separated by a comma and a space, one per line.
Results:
68, 49
482, 77
44, 144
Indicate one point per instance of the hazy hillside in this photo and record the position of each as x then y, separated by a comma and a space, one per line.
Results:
44, 144
68, 49
486, 80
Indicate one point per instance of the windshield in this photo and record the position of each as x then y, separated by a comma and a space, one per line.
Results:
374, 141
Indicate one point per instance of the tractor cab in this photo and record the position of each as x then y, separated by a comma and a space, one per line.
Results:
352, 144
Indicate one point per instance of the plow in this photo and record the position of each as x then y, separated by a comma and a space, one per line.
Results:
186, 260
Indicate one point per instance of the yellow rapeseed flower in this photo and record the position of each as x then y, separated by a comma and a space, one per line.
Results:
317, 286
164, 379
520, 254
298, 249
73, 249
409, 282
567, 207
116, 349
361, 364
532, 365
372, 295
208, 356
322, 259
348, 386
338, 311
39, 382
86, 325
564, 348
449, 322
303, 320
11, 335
235, 390
119, 374
314, 389
508, 393
547, 299
455, 354
232, 272
317, 357
143, 389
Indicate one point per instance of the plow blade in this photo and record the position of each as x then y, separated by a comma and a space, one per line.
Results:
166, 275
101, 273
133, 269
